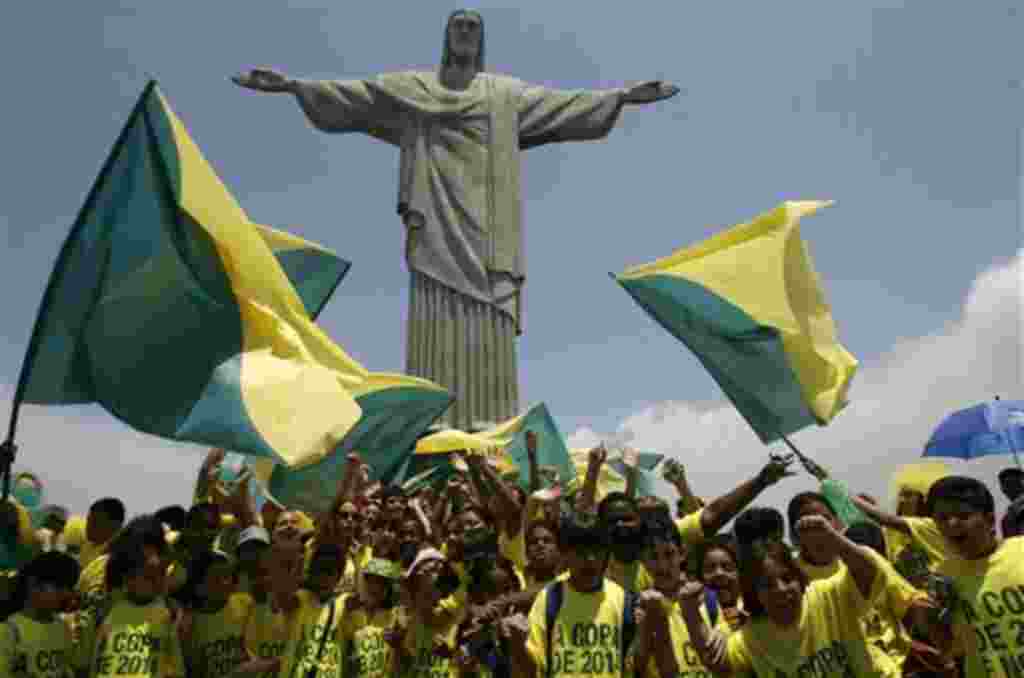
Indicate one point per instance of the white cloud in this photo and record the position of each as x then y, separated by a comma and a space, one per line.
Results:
82, 454
896, 402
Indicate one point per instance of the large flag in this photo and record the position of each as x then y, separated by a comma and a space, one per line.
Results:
507, 442
749, 304
613, 475
168, 307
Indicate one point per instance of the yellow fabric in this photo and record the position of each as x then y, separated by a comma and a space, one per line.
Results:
138, 641
925, 533
826, 642
35, 650
418, 644
736, 264
514, 548
269, 634
371, 656
609, 480
818, 572
887, 639
895, 543
991, 623
312, 629
691, 529
586, 636
293, 377
686, 657
215, 647
633, 577
919, 476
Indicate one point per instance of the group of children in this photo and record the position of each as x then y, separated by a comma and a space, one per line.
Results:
486, 578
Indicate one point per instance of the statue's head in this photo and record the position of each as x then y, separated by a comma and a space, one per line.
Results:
464, 38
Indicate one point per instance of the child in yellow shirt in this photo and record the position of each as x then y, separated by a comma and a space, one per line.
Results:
213, 645
35, 641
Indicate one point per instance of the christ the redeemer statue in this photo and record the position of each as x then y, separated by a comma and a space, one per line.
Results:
460, 131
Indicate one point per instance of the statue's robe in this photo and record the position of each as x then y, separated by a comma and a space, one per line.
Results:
459, 187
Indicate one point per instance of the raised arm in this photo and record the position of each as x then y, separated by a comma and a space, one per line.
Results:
892, 521
586, 501
725, 508
859, 560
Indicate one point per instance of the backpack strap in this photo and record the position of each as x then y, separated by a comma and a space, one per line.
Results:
555, 592
629, 604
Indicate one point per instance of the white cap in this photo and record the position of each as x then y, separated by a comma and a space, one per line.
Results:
254, 533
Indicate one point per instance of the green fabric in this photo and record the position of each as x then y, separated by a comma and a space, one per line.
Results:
393, 419
747, 360
315, 275
839, 500
137, 286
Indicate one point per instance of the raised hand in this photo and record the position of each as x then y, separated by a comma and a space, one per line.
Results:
630, 457
776, 469
531, 444
598, 455
649, 92
264, 80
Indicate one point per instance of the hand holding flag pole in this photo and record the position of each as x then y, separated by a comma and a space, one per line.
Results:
7, 452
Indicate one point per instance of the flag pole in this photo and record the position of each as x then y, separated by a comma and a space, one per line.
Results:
812, 467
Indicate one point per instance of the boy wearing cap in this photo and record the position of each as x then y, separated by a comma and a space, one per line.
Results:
213, 645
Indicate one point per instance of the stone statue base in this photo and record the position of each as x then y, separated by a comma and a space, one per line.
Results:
465, 345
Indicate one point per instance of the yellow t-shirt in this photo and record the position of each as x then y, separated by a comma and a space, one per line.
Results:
351, 578
690, 665
826, 642
586, 639
138, 641
887, 639
369, 655
990, 623
315, 624
514, 548
419, 646
634, 577
690, 528
78, 545
818, 572
215, 645
925, 533
32, 649
271, 634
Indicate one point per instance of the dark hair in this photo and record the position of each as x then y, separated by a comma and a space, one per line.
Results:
548, 525
111, 507
324, 551
52, 567
575, 530
963, 489
389, 491
1011, 473
126, 551
614, 498
198, 567
759, 522
446, 51
202, 510
800, 501
173, 517
720, 542
752, 569
657, 530
867, 534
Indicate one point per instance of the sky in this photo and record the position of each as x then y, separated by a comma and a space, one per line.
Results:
906, 114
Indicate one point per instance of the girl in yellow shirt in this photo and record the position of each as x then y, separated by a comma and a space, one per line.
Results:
796, 628
368, 617
35, 641
718, 569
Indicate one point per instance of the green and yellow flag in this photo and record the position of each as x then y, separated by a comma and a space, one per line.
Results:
749, 304
172, 310
506, 443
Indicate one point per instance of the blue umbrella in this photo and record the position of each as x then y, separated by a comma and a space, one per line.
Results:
992, 428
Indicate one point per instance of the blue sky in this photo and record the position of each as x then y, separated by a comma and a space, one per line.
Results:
906, 114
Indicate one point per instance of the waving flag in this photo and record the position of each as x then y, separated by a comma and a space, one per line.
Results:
614, 472
749, 304
314, 271
168, 307
507, 441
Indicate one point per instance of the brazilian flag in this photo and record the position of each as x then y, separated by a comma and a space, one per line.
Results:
748, 303
506, 441
172, 310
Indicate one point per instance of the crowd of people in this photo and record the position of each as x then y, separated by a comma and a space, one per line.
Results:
487, 575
